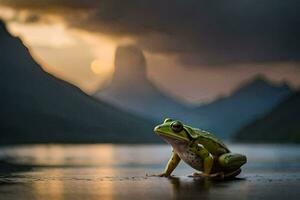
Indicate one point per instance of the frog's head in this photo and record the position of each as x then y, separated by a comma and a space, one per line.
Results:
174, 130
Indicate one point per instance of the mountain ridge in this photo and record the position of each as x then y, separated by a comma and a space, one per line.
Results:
133, 91
282, 124
249, 101
37, 107
251, 83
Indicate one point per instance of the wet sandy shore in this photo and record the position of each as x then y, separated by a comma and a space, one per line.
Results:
82, 172
90, 184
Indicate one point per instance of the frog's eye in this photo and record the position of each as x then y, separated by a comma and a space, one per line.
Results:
177, 126
167, 120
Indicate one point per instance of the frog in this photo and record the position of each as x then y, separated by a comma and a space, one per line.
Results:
200, 149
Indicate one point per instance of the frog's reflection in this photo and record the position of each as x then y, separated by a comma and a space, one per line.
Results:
190, 188
185, 188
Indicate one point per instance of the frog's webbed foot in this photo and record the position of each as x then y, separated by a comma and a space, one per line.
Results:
232, 174
214, 175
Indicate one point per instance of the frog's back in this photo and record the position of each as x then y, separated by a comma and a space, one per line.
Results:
211, 142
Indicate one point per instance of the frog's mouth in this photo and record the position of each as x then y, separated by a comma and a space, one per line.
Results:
170, 136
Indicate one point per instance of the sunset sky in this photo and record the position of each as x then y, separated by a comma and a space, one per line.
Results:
195, 50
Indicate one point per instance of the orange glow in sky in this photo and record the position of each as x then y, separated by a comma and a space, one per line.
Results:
99, 68
86, 59
76, 56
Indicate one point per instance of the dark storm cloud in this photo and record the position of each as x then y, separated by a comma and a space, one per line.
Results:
198, 31
49, 4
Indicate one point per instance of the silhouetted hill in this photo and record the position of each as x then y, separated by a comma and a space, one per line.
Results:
131, 90
37, 107
282, 124
227, 115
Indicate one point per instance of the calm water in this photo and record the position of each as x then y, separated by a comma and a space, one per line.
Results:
120, 172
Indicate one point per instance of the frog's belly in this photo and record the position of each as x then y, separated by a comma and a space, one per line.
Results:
191, 159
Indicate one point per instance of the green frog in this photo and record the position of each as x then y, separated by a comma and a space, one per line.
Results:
199, 149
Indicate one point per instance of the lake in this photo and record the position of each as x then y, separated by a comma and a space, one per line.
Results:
106, 171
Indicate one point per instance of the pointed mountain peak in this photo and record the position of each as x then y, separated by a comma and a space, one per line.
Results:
130, 55
130, 64
262, 82
259, 80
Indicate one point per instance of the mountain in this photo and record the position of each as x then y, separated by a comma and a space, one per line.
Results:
280, 125
131, 90
36, 107
250, 101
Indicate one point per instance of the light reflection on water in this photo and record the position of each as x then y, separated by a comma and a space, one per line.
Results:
54, 188
109, 155
119, 171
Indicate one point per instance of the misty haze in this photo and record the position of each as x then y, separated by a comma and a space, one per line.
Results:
84, 84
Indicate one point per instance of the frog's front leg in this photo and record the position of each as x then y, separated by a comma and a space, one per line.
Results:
208, 161
171, 165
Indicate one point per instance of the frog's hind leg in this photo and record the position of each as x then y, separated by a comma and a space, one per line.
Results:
231, 163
